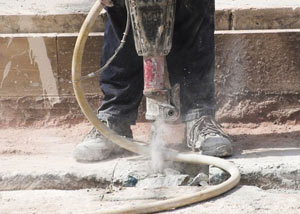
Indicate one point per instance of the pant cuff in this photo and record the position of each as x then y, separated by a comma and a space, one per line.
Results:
197, 113
129, 119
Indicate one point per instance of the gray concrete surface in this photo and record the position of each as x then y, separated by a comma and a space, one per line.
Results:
241, 200
258, 4
14, 7
266, 168
66, 16
36, 163
268, 157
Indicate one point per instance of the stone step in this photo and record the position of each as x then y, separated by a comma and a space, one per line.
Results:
83, 6
244, 19
40, 23
36, 64
67, 16
257, 75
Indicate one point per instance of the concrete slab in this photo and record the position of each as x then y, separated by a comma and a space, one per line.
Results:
42, 158
258, 4
31, 7
266, 18
66, 16
241, 200
46, 23
15, 7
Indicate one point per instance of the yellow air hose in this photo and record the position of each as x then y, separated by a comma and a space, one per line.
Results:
144, 149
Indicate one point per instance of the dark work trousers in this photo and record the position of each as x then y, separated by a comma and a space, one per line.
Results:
190, 63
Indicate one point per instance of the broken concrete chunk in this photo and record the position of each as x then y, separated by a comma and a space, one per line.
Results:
217, 176
159, 180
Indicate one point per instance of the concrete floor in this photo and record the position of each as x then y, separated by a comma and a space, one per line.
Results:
241, 200
37, 164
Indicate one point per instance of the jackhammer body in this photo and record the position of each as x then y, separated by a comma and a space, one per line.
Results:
153, 25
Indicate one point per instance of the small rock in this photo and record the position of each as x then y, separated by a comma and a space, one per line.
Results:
200, 180
130, 182
159, 180
217, 176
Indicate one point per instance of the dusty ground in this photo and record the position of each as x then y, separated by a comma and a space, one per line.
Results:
33, 141
31, 158
242, 200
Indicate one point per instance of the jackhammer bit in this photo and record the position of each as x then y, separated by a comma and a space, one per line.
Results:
153, 24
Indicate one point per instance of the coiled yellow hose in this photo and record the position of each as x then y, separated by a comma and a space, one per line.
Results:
142, 148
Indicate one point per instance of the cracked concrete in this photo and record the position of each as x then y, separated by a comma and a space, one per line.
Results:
241, 200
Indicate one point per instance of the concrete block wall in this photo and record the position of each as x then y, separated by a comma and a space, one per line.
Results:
36, 77
257, 67
258, 75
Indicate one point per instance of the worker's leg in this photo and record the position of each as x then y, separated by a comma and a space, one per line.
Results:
191, 63
122, 86
122, 81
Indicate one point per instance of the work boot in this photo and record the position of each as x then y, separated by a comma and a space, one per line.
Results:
206, 136
95, 147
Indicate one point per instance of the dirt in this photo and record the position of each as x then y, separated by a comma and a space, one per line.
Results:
33, 141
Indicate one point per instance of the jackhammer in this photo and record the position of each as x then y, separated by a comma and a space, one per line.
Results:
152, 23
